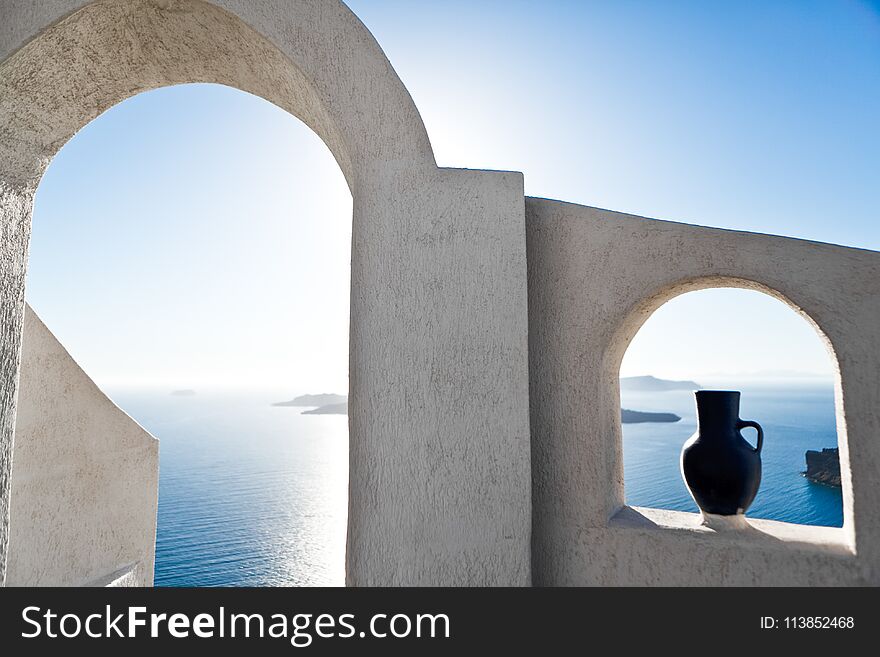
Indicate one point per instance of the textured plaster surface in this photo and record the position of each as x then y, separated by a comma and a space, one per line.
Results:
84, 477
454, 348
595, 276
16, 202
439, 470
438, 413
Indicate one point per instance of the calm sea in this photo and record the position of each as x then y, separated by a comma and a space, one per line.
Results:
249, 494
256, 495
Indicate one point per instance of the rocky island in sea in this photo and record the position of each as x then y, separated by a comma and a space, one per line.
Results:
635, 417
642, 384
823, 467
329, 409
653, 384
186, 392
323, 399
321, 404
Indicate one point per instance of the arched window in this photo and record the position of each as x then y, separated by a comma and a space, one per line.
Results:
191, 249
733, 339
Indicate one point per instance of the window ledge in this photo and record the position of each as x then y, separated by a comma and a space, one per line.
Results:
752, 531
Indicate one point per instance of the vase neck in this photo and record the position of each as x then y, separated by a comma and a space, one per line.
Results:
717, 410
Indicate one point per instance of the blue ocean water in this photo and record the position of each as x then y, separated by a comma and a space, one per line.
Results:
249, 494
795, 417
256, 495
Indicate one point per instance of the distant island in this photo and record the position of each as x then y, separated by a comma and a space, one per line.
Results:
324, 399
323, 404
653, 384
823, 467
636, 417
329, 409
187, 392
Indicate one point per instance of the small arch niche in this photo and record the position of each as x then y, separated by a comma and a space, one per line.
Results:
733, 339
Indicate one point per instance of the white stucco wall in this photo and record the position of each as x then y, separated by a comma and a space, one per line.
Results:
487, 329
84, 478
438, 412
595, 276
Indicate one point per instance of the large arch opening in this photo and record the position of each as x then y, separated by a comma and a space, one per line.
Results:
191, 250
730, 334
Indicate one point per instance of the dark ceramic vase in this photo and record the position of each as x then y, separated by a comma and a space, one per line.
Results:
721, 469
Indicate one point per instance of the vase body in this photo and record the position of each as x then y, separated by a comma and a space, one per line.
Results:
721, 469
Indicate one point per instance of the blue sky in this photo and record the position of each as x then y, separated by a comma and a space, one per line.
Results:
196, 234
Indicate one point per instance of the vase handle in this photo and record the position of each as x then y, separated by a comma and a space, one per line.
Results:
742, 424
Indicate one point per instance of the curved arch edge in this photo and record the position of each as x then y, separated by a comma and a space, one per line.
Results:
64, 64
653, 300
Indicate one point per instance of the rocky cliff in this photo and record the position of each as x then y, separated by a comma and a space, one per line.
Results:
823, 467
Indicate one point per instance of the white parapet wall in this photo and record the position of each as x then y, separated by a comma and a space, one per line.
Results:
84, 478
595, 276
